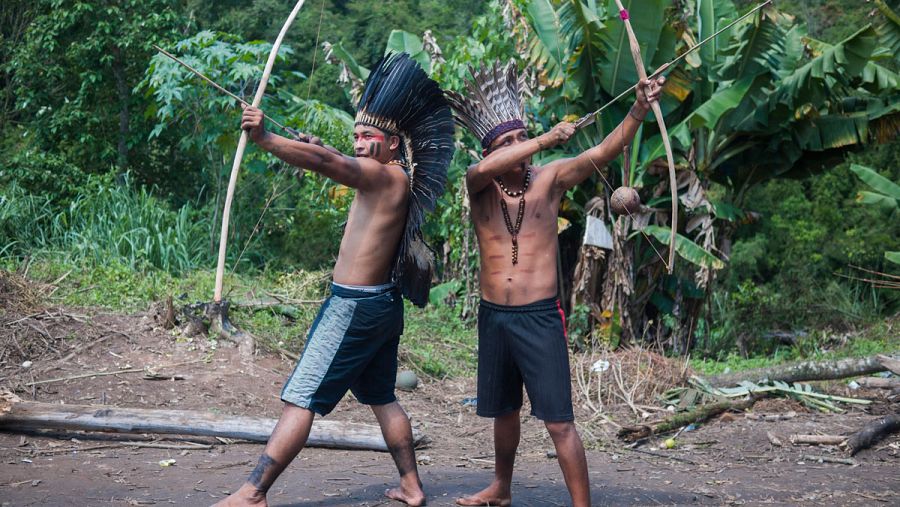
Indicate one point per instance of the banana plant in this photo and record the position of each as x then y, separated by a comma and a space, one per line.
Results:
886, 195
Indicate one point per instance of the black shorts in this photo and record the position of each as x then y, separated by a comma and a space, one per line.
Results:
524, 344
352, 345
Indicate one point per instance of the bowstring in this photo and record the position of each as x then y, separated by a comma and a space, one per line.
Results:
275, 193
630, 215
622, 134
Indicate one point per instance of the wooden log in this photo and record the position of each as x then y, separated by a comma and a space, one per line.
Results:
332, 434
818, 439
878, 383
807, 370
871, 433
890, 363
699, 414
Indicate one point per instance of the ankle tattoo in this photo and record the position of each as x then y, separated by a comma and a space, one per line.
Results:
263, 476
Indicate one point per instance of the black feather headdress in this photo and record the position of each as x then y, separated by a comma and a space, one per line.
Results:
399, 98
494, 104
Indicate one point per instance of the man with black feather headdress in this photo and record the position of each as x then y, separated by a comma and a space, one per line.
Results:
403, 143
521, 326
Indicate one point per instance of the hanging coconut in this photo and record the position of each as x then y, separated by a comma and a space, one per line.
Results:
625, 201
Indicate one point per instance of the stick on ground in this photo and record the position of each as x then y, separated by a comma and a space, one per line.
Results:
818, 439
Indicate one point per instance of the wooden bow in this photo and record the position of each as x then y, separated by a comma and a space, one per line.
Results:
239, 155
663, 131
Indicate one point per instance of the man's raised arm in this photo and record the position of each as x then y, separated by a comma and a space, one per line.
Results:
359, 173
512, 154
572, 171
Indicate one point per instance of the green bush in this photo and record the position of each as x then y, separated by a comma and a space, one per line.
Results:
789, 271
104, 223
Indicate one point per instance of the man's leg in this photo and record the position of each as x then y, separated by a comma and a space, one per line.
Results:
570, 452
287, 440
507, 429
398, 435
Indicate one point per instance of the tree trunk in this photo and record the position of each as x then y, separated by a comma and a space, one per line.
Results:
34, 416
119, 66
809, 370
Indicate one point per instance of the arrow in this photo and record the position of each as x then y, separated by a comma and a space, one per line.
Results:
589, 118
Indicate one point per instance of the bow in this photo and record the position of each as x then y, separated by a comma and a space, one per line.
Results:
663, 131
239, 155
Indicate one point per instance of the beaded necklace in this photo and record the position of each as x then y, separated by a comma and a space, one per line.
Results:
514, 230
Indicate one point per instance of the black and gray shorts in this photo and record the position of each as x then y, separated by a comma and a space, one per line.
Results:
524, 345
352, 345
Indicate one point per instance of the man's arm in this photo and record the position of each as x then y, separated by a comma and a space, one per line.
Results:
479, 176
359, 173
572, 171
308, 138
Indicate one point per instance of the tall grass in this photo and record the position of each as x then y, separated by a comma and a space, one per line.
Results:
23, 221
107, 222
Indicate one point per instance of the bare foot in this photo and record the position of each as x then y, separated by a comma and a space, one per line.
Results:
244, 497
413, 498
493, 495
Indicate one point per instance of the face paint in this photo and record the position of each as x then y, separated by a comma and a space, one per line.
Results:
368, 143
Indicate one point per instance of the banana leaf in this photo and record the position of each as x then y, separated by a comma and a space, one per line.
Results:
711, 14
687, 249
648, 18
343, 55
836, 64
547, 48
400, 41
878, 182
893, 257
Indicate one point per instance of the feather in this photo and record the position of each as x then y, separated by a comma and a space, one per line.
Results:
493, 101
400, 98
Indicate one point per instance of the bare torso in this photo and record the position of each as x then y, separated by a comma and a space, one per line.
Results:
534, 276
374, 228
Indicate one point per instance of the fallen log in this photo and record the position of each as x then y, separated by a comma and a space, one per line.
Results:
878, 383
807, 370
697, 415
818, 439
332, 434
871, 433
891, 363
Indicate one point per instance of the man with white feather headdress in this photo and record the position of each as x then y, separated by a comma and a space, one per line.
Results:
521, 326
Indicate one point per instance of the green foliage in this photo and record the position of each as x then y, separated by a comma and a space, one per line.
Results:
72, 75
104, 223
437, 343
783, 270
820, 346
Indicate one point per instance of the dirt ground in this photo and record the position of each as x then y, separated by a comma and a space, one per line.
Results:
728, 461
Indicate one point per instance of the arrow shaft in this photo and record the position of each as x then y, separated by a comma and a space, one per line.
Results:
214, 84
589, 118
